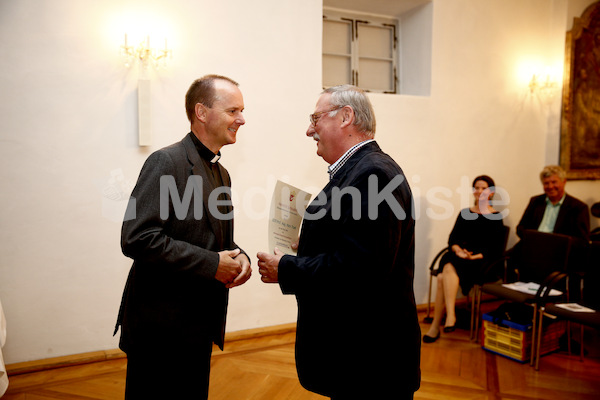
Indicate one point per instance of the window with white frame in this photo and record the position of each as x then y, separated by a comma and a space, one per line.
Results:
360, 50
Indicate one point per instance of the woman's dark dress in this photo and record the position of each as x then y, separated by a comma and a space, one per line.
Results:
479, 234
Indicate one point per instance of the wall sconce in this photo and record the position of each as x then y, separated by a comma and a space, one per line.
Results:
544, 85
146, 55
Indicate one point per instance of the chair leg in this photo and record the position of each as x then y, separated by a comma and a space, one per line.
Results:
581, 349
472, 312
533, 336
475, 291
477, 314
569, 337
428, 318
539, 340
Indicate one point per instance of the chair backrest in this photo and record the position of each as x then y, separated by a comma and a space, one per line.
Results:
506, 234
592, 277
502, 271
540, 254
579, 256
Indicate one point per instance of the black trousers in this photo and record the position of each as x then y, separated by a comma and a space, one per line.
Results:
169, 373
395, 393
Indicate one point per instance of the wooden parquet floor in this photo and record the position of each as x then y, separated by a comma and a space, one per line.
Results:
262, 368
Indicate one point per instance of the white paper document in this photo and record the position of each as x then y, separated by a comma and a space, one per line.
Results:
575, 307
287, 209
529, 288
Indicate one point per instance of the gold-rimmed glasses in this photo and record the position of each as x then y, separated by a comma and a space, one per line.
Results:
314, 118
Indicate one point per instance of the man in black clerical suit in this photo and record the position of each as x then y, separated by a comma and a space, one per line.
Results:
358, 335
180, 237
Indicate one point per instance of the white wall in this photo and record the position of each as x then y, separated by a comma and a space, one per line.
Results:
68, 126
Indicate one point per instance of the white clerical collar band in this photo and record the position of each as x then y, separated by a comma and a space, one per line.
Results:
216, 158
336, 166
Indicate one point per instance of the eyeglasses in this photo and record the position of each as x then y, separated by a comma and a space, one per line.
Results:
314, 118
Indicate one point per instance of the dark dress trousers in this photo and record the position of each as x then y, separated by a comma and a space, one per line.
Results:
358, 335
172, 308
573, 218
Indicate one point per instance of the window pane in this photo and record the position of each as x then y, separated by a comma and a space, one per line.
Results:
337, 37
376, 75
336, 70
375, 41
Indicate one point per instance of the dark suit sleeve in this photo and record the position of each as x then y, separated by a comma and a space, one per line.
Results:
583, 222
574, 219
351, 250
530, 219
148, 238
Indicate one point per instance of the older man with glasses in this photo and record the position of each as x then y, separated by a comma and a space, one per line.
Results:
358, 335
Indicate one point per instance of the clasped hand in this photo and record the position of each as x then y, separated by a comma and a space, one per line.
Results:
234, 268
466, 254
268, 266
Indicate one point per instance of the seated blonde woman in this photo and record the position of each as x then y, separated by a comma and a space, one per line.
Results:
477, 237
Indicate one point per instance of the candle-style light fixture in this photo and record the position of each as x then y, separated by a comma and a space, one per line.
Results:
544, 84
146, 57
145, 54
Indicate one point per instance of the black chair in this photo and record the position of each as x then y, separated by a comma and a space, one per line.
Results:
433, 271
587, 298
487, 271
539, 258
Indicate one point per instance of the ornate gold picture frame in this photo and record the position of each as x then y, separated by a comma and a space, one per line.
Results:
580, 123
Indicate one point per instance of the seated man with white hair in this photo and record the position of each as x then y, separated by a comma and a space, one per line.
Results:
555, 211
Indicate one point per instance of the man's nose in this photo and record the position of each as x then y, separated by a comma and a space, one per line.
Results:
311, 130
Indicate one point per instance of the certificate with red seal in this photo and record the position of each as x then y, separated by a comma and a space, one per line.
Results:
285, 219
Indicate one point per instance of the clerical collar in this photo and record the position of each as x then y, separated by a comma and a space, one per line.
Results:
204, 151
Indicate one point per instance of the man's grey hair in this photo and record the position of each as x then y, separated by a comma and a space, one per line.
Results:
550, 170
349, 95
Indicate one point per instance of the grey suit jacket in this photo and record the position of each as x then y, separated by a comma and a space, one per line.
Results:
171, 295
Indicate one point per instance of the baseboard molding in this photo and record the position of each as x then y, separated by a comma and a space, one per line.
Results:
64, 361
104, 355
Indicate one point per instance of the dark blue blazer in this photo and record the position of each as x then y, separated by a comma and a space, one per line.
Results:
357, 332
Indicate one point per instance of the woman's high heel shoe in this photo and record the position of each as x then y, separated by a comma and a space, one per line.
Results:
430, 339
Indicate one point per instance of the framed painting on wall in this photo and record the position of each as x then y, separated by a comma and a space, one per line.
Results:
580, 123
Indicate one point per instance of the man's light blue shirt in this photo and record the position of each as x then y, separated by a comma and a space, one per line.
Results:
550, 215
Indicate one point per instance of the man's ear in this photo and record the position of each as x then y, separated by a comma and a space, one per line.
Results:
200, 112
347, 116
